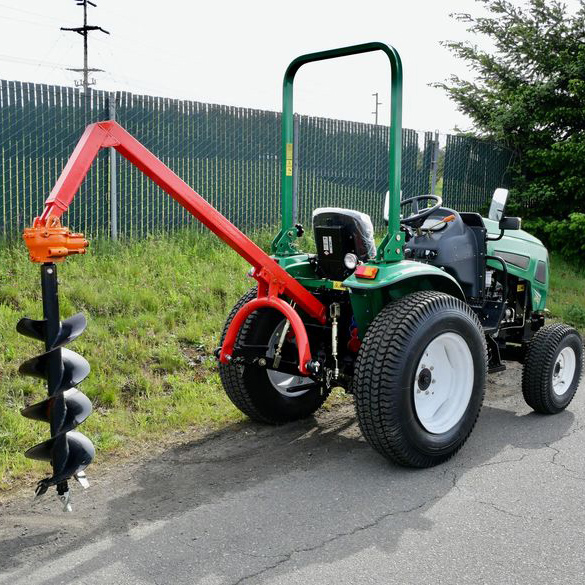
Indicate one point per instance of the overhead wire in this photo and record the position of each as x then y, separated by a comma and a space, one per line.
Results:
126, 43
33, 62
44, 16
35, 23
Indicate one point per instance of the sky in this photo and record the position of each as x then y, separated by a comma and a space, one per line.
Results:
235, 52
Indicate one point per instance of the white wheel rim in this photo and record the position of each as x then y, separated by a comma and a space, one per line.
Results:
282, 382
443, 383
564, 371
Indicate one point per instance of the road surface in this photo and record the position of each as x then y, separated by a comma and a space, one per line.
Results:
312, 503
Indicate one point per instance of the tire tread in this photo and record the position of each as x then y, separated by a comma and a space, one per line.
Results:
378, 370
536, 373
240, 391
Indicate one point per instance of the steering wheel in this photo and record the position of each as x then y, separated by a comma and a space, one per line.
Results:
417, 218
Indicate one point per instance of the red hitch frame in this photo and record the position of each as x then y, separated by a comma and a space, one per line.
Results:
273, 280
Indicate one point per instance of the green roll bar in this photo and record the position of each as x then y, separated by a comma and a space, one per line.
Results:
391, 247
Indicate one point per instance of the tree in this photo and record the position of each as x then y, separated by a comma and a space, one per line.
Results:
529, 94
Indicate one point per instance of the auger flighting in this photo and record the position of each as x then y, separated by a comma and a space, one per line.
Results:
69, 451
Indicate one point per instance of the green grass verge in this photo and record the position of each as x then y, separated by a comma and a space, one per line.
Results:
155, 309
566, 300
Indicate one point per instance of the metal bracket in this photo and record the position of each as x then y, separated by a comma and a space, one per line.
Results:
281, 339
334, 313
284, 244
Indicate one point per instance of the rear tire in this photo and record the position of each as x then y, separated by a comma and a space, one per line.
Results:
552, 368
402, 412
261, 394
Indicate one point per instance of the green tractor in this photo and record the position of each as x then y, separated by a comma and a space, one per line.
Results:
410, 327
414, 324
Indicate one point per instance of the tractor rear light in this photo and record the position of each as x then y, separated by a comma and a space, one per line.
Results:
364, 271
350, 261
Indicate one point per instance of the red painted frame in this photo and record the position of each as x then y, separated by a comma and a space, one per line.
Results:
273, 280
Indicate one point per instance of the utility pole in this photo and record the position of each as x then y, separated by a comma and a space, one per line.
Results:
435, 162
378, 103
84, 32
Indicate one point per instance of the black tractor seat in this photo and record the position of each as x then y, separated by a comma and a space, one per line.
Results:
339, 232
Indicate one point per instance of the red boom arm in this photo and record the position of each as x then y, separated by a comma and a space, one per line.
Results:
273, 281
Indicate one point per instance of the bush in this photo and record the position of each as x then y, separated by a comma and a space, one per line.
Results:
527, 91
565, 236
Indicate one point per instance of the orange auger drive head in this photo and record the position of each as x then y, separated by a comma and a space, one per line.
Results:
50, 242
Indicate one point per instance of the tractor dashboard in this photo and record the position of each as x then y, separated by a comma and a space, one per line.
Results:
456, 246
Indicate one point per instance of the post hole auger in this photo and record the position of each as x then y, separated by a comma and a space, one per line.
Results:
49, 243
69, 451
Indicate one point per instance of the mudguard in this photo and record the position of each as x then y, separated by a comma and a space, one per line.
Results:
392, 282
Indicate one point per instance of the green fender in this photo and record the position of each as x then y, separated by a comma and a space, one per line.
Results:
394, 281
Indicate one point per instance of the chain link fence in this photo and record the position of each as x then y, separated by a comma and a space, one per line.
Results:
39, 127
230, 155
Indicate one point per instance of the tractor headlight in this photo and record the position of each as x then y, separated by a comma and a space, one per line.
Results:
350, 261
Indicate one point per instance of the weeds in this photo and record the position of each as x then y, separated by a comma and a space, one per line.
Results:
566, 300
155, 309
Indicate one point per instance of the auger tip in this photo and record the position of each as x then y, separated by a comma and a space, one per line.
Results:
41, 488
65, 498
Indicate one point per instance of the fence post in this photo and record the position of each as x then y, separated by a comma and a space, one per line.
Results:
295, 189
435, 162
113, 174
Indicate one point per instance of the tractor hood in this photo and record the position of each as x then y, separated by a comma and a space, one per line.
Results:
494, 230
525, 257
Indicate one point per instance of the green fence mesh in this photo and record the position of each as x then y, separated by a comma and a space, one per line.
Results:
230, 155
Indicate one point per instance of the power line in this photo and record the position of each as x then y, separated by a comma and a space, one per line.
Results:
33, 62
84, 32
48, 53
25, 21
43, 16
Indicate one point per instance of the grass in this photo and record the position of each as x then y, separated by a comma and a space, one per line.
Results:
155, 308
566, 300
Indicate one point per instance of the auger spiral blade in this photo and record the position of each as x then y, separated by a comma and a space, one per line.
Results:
69, 454
68, 451
74, 367
77, 407
69, 329
31, 328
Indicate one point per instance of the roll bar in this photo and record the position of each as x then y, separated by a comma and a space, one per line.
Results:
283, 243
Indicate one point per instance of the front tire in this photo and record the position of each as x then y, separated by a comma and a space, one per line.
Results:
552, 368
420, 378
267, 396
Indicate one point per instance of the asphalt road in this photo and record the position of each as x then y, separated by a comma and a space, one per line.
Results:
311, 503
